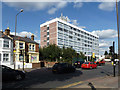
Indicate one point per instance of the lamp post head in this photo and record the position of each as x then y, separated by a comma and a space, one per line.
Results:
21, 10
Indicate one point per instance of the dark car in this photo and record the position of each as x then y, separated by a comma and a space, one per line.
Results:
78, 64
63, 68
11, 74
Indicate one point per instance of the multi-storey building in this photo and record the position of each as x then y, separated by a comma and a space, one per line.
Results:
60, 32
6, 50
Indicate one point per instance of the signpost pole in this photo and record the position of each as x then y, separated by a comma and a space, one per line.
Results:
114, 59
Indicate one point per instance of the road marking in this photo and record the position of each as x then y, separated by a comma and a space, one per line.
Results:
67, 86
70, 85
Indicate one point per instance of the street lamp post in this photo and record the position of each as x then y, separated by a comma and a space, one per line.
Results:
15, 32
16, 19
118, 35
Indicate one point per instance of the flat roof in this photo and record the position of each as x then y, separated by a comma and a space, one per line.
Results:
62, 21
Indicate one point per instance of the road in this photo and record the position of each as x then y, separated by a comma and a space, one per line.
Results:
44, 78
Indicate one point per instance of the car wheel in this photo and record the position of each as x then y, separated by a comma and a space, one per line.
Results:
90, 67
18, 77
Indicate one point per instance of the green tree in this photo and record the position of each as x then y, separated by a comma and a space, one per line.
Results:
81, 55
41, 57
106, 53
52, 52
68, 54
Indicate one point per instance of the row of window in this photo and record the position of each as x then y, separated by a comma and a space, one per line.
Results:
78, 49
77, 30
78, 39
79, 36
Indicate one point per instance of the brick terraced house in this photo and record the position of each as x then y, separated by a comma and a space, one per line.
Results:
28, 47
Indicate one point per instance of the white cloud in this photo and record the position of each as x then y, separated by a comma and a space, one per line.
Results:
106, 34
52, 10
104, 43
23, 34
107, 6
78, 5
56, 6
35, 6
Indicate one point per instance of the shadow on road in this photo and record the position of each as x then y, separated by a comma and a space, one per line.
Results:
41, 76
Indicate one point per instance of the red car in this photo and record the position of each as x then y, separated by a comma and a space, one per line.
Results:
89, 65
102, 62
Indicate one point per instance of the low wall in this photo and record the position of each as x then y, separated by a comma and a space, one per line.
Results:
107, 60
19, 65
35, 65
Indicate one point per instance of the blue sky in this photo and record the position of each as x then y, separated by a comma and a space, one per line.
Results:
98, 18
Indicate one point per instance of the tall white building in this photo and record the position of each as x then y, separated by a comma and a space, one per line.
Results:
62, 33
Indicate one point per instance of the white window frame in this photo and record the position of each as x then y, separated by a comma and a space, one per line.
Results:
29, 46
33, 47
21, 45
6, 57
6, 42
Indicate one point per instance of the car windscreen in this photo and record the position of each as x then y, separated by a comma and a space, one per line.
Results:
86, 62
63, 64
55, 65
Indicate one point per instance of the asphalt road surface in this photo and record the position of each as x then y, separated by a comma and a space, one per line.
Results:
44, 78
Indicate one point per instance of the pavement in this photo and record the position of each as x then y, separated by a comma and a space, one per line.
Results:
32, 69
101, 82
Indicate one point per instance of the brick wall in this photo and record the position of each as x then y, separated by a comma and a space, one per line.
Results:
35, 65
43, 32
53, 33
37, 48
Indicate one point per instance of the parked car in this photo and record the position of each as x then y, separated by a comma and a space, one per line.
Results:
11, 74
89, 65
102, 62
63, 68
78, 64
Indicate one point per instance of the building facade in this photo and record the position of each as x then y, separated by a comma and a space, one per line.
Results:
6, 50
62, 33
24, 48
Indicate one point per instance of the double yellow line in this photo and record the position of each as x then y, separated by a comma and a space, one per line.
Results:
67, 86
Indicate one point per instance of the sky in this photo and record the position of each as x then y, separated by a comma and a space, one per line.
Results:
96, 17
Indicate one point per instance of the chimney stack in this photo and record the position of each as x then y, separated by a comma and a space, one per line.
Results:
7, 31
32, 37
1, 31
